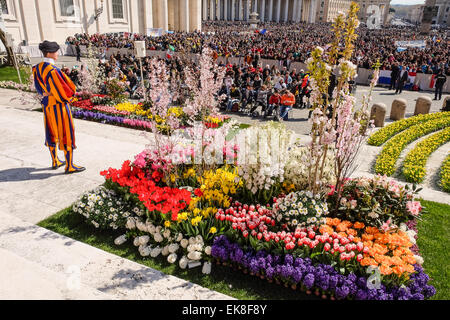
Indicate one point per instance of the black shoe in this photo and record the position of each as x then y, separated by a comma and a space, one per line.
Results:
77, 170
59, 166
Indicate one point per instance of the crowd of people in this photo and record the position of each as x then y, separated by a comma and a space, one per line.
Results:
258, 90
292, 42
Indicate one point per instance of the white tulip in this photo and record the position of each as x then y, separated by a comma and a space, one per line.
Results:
158, 237
131, 224
120, 240
173, 247
172, 258
198, 246
206, 268
143, 240
158, 229
141, 226
166, 233
155, 252
151, 229
199, 239
184, 243
208, 250
179, 237
136, 242
194, 255
183, 262
165, 251
419, 259
192, 240
191, 247
145, 252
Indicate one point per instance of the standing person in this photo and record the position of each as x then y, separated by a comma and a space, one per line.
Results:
440, 81
394, 76
78, 50
58, 92
402, 80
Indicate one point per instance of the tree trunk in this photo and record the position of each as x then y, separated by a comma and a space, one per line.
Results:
9, 52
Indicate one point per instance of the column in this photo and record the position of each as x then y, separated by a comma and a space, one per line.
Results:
286, 12
294, 10
195, 15
263, 10
218, 10
298, 13
164, 15
277, 14
184, 15
312, 12
225, 10
211, 9
270, 10
241, 10
204, 9
247, 10
233, 9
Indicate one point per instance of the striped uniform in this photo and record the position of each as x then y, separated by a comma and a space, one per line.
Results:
59, 130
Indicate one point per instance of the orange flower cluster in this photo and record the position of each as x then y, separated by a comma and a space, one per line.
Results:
390, 251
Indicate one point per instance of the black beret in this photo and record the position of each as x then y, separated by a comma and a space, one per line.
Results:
48, 46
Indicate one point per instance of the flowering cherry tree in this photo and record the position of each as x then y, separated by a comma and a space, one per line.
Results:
203, 87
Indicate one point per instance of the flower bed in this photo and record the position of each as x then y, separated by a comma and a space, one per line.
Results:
385, 163
193, 215
17, 86
302, 274
414, 163
133, 115
384, 134
445, 174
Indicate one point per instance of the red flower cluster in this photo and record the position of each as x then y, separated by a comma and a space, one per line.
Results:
156, 199
211, 125
84, 104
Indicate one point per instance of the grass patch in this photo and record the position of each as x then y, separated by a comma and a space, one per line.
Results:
222, 279
433, 241
10, 74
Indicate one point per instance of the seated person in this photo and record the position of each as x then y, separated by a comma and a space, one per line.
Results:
287, 101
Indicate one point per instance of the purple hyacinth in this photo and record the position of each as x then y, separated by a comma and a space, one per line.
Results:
308, 281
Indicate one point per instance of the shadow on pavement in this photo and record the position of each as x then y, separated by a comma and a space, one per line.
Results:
27, 173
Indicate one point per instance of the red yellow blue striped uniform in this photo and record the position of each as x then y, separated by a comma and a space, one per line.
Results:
58, 92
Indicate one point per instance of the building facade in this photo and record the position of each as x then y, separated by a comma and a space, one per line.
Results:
328, 9
370, 10
268, 10
415, 14
443, 15
34, 21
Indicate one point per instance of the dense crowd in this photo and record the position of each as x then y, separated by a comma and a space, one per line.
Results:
250, 88
291, 42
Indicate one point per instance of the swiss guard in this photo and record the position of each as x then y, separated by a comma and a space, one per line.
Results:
58, 92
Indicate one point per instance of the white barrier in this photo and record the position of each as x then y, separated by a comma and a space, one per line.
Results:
422, 80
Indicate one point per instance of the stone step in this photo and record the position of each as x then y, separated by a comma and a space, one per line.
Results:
22, 279
49, 253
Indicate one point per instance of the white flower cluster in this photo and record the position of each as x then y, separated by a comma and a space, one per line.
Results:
296, 169
103, 208
161, 241
300, 209
262, 159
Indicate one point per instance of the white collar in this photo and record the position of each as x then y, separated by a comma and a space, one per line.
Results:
49, 60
